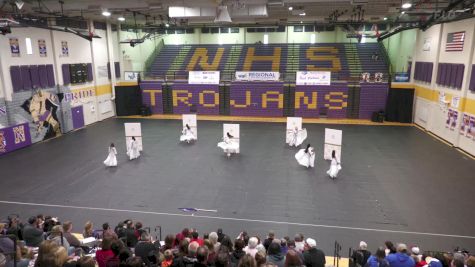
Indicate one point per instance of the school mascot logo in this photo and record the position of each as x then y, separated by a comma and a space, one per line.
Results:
3, 143
19, 133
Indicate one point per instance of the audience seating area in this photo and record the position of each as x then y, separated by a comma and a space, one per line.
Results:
44, 241
346, 60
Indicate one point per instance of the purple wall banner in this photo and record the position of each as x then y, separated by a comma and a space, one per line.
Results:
372, 98
14, 137
257, 99
199, 98
152, 96
310, 100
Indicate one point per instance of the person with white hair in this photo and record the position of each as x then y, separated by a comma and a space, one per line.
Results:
213, 238
361, 255
313, 257
251, 247
400, 258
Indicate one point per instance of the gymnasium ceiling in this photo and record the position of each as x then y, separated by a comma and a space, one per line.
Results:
156, 12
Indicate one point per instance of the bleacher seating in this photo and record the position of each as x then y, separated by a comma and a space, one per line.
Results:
346, 60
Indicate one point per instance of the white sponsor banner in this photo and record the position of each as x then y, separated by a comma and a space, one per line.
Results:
257, 76
203, 77
131, 75
313, 78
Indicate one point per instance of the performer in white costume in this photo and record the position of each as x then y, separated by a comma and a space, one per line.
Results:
296, 136
187, 134
306, 157
335, 166
111, 160
133, 149
229, 145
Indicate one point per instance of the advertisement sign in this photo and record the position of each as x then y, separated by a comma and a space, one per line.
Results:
203, 77
257, 76
313, 78
14, 137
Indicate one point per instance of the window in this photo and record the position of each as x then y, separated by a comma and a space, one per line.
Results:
204, 30
312, 38
280, 29
234, 30
266, 38
214, 30
190, 30
29, 48
251, 29
298, 28
224, 30
309, 28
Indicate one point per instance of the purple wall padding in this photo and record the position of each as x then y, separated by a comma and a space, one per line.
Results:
459, 77
443, 73
471, 86
35, 76
43, 76
372, 98
257, 99
448, 74
152, 96
15, 137
423, 71
430, 70
15, 75
25, 77
50, 75
117, 69
66, 74
109, 70
439, 74
309, 100
90, 76
205, 97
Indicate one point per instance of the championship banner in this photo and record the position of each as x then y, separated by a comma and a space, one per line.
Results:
257, 76
313, 78
203, 77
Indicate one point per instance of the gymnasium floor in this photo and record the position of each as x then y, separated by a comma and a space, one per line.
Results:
397, 183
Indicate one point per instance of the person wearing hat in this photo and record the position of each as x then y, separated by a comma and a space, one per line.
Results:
313, 257
400, 258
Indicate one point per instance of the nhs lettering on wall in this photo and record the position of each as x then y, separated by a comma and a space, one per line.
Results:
203, 77
257, 76
313, 78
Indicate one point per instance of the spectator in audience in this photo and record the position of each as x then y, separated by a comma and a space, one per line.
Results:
274, 255
220, 235
292, 259
120, 230
213, 237
400, 258
378, 259
138, 230
86, 262
360, 256
390, 248
313, 257
56, 235
167, 262
114, 261
146, 250
72, 240
470, 261
182, 253
222, 260
269, 239
260, 258
195, 238
88, 230
432, 261
251, 246
169, 243
47, 223
107, 231
130, 237
201, 257
7, 249
238, 252
283, 245
32, 235
299, 243
180, 236
247, 261
134, 262
190, 259
226, 242
50, 254
14, 227
106, 253
211, 253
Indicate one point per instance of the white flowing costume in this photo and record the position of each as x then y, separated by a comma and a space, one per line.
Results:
111, 160
133, 150
228, 145
334, 168
187, 135
296, 137
306, 159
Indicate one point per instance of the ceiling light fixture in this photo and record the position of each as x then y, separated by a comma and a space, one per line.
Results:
302, 14
385, 18
291, 8
167, 25
403, 12
406, 5
121, 18
106, 13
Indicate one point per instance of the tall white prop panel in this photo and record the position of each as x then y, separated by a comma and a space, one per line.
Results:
232, 129
191, 120
333, 141
133, 129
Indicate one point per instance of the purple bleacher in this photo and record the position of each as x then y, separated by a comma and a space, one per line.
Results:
471, 85
152, 96
257, 99
203, 97
310, 100
372, 98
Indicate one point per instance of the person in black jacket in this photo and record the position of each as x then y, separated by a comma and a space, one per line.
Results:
269, 239
146, 250
201, 257
360, 257
312, 256
32, 235
238, 252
